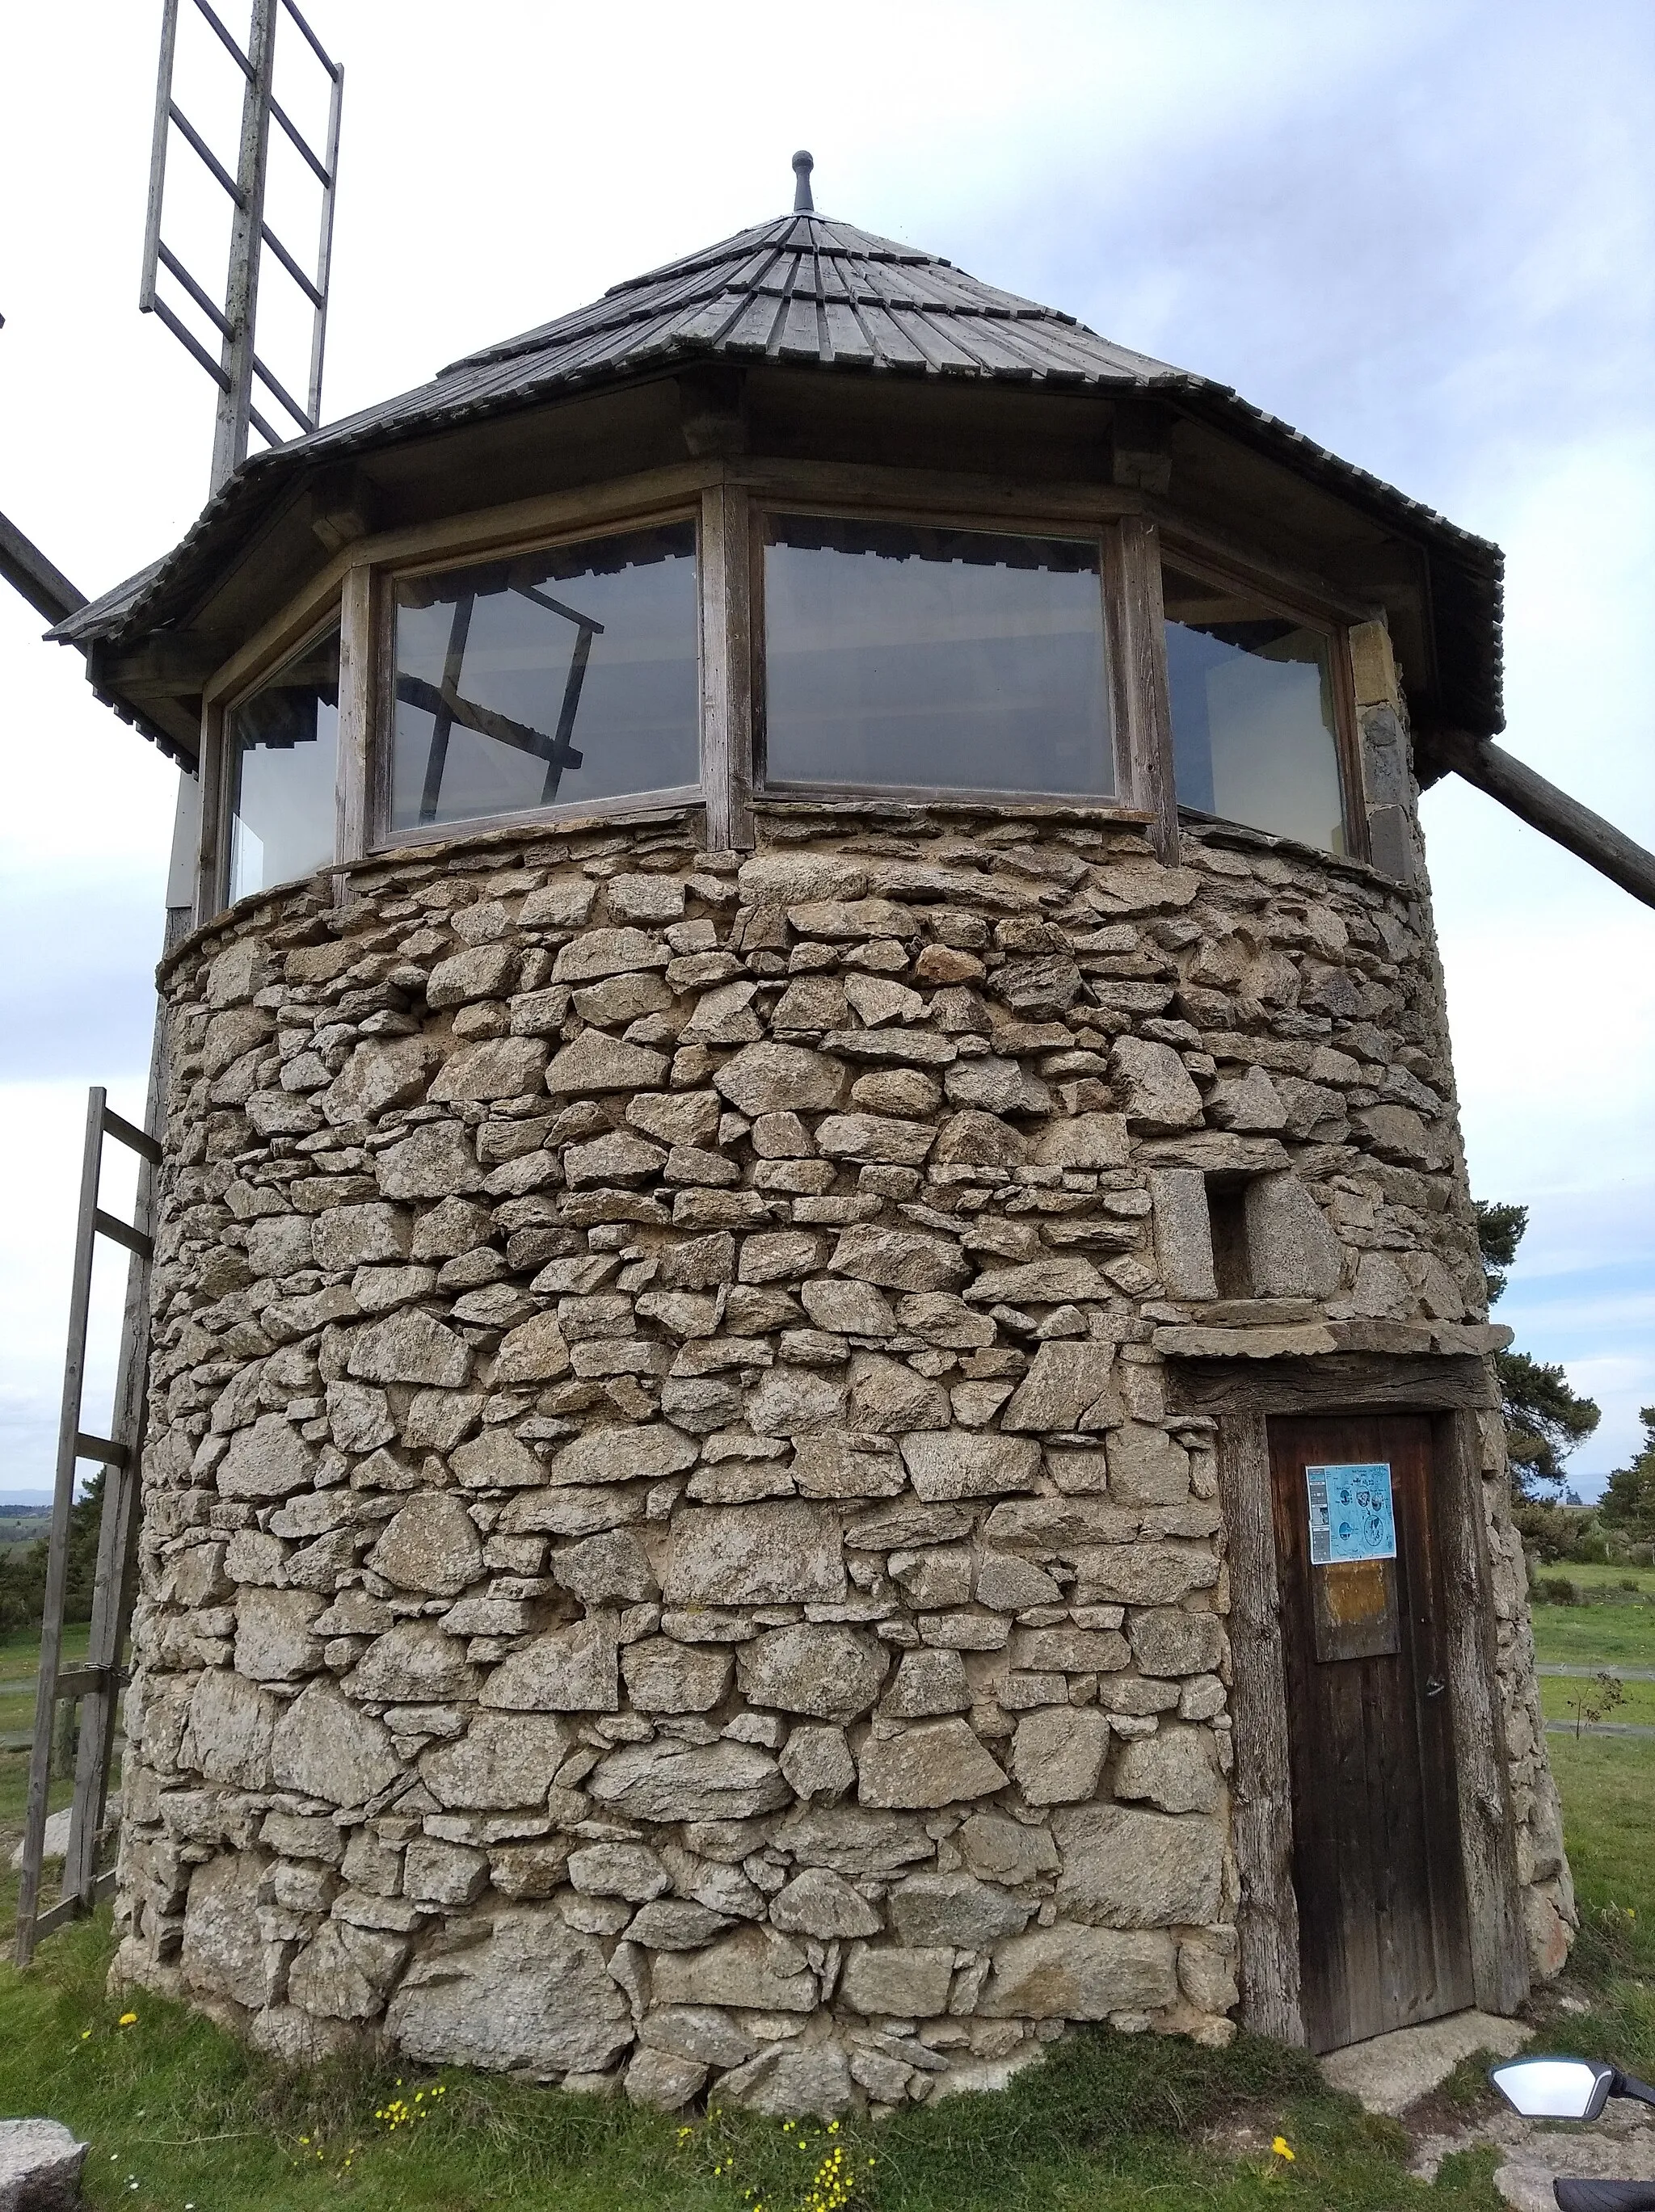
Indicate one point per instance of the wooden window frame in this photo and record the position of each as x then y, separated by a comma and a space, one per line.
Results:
218, 801
1311, 611
380, 661
728, 504
1129, 577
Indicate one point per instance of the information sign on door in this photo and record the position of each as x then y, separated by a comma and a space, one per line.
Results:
1351, 1513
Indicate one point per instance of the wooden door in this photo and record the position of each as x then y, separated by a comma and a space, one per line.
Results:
1384, 1936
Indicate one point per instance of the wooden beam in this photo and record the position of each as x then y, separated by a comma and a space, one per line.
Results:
1328, 1381
1545, 808
1267, 1913
27, 568
1499, 1958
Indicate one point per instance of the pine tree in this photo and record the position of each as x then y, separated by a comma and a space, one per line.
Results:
1545, 1419
23, 1568
1628, 1503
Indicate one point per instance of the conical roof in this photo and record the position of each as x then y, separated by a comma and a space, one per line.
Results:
807, 291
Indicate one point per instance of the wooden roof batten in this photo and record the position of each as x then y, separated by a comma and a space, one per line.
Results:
806, 292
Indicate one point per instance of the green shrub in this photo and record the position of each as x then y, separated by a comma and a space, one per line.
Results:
1558, 1589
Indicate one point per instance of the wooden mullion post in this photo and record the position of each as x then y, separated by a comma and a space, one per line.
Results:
352, 820
1132, 587
727, 720
212, 857
1267, 1914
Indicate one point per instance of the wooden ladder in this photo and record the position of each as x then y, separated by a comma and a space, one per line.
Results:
95, 1686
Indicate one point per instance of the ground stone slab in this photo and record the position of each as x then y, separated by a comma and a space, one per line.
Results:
40, 2166
1389, 2072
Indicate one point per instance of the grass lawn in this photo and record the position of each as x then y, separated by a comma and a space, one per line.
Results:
1559, 1696
171, 2104
20, 1655
1595, 1634
1609, 1581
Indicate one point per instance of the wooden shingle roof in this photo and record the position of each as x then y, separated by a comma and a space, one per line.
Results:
807, 291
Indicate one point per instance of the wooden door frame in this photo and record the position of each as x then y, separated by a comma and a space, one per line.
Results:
1241, 1397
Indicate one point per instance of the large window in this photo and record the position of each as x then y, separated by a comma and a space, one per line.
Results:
554, 678
910, 659
1255, 724
283, 747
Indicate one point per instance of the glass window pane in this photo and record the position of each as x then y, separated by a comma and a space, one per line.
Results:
1254, 729
555, 677
285, 755
934, 660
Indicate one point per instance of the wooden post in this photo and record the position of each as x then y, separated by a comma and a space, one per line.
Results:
1499, 1958
1545, 808
352, 824
246, 232
116, 1584
1132, 589
727, 720
51, 1623
1262, 1818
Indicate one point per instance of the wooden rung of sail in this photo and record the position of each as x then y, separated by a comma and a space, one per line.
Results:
111, 1226
81, 1682
104, 1449
128, 1133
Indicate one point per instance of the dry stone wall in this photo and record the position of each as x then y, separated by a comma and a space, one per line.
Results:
665, 1549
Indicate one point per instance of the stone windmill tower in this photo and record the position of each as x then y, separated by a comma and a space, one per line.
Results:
819, 1383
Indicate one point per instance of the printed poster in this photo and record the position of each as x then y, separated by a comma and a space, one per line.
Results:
1351, 1515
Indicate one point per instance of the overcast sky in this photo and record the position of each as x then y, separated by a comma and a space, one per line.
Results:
1422, 232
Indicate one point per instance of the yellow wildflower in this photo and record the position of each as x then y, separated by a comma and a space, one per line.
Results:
1283, 2150
127, 2019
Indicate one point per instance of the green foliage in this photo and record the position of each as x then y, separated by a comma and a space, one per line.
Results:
1500, 1232
1545, 1419
1629, 1505
23, 1568
1552, 1534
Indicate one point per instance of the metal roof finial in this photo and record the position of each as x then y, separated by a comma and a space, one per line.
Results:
803, 164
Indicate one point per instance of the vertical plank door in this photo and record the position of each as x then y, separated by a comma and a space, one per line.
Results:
1383, 1934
